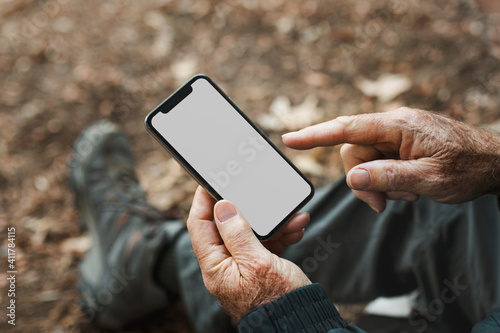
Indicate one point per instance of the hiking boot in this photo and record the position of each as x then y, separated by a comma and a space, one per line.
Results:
117, 283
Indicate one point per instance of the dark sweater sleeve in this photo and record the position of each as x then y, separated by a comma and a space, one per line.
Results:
489, 325
306, 309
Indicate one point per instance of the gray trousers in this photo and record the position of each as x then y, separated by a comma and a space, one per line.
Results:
450, 254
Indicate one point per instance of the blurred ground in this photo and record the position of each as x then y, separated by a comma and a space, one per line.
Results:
65, 64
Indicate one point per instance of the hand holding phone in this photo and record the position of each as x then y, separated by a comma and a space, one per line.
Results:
228, 155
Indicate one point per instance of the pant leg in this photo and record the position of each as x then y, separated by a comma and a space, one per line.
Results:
203, 310
355, 253
457, 264
450, 253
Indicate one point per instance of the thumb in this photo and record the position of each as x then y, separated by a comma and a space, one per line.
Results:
236, 233
390, 176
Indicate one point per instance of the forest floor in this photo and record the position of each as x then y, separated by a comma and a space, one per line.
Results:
287, 63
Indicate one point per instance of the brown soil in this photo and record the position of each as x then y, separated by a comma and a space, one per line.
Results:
65, 64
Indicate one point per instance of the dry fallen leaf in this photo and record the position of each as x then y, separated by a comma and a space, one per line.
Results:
184, 68
309, 165
385, 88
76, 245
283, 116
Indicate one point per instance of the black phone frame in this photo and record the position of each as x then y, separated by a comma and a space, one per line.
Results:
170, 102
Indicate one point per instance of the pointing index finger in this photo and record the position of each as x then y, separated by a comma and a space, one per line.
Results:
363, 129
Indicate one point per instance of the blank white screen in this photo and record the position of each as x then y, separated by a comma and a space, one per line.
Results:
232, 157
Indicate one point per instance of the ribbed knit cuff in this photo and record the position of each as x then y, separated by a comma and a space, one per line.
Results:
306, 309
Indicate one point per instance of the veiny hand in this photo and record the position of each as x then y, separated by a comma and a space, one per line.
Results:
407, 152
237, 269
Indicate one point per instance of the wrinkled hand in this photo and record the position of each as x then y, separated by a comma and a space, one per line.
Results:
237, 269
406, 153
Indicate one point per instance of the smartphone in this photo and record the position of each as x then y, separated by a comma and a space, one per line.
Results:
228, 155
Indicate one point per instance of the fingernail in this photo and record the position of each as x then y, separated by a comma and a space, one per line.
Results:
374, 208
225, 210
359, 179
287, 134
